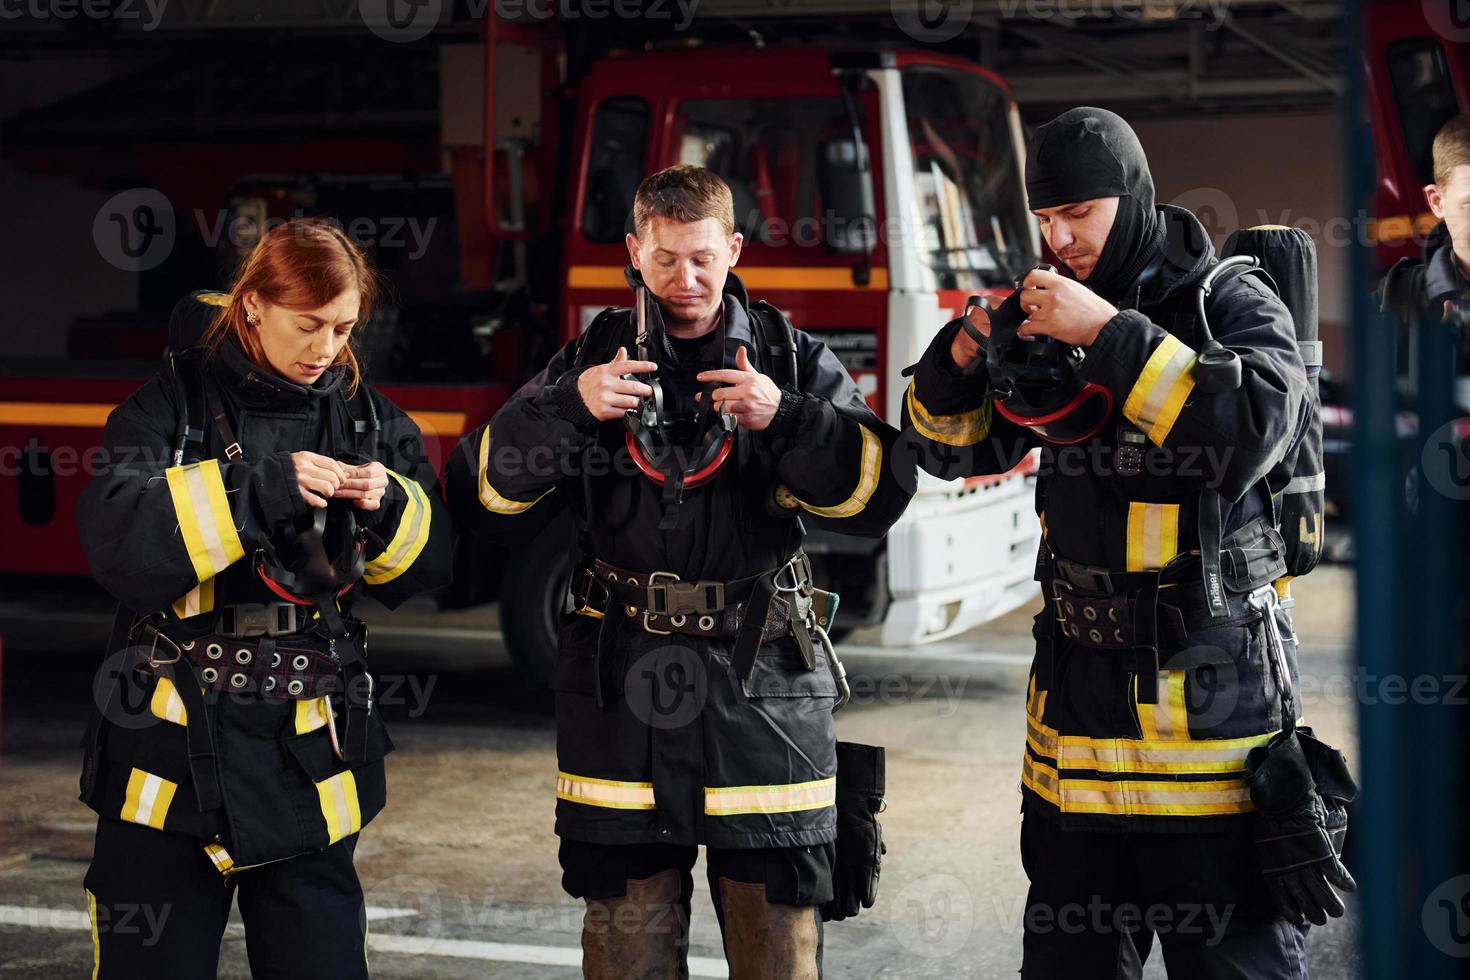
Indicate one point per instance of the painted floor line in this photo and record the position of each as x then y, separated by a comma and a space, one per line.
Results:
73, 920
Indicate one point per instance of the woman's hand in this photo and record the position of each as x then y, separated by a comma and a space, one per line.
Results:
364, 485
317, 477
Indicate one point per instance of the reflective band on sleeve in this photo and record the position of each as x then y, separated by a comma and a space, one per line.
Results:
489, 496
203, 510
1136, 797
147, 799
408, 540
964, 429
1159, 393
338, 798
195, 602
1306, 484
1153, 535
725, 801
311, 715
872, 456
614, 794
167, 704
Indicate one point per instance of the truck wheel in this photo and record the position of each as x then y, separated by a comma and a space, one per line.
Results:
533, 598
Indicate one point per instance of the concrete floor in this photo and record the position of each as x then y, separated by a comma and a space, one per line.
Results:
460, 870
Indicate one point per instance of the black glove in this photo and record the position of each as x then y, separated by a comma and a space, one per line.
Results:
860, 849
1301, 788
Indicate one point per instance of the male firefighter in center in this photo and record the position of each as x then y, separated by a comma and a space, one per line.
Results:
1158, 797
693, 434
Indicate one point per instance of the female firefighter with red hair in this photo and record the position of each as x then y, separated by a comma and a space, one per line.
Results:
255, 489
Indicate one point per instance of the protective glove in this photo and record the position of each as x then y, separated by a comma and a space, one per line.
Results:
1301, 788
860, 850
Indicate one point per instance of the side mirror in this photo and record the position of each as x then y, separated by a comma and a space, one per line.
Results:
847, 189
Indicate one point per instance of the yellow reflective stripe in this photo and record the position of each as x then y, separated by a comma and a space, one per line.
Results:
1120, 755
96, 940
311, 715
167, 704
1159, 393
223, 863
964, 429
725, 801
147, 799
489, 496
195, 602
1171, 699
615, 794
205, 521
1136, 797
872, 457
338, 798
1153, 535
408, 540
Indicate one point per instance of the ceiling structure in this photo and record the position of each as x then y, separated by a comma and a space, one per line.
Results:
1160, 56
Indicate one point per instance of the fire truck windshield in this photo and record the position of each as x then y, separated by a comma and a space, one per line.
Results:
967, 179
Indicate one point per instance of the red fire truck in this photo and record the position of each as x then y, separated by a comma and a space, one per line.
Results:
876, 191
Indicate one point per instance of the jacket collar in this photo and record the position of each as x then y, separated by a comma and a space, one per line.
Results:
1187, 255
1442, 277
737, 312
261, 387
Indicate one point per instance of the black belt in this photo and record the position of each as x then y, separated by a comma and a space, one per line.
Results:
294, 668
1132, 611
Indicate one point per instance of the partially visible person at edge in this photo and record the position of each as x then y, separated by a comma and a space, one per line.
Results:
1139, 717
247, 773
1436, 285
741, 756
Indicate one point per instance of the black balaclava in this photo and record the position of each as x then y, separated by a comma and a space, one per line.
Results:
1087, 153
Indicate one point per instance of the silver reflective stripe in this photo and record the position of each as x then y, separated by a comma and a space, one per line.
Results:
1306, 484
1311, 351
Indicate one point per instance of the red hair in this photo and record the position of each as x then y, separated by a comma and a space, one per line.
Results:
302, 264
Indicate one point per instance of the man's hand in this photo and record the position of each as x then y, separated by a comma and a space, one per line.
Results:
604, 391
317, 476
1062, 308
964, 351
364, 485
750, 396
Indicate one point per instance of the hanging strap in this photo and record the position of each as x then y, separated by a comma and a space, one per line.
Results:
221, 418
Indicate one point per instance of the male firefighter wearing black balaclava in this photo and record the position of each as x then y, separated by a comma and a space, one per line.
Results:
1166, 789
694, 434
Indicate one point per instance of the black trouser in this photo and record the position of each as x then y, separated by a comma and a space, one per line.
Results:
160, 909
1098, 899
799, 876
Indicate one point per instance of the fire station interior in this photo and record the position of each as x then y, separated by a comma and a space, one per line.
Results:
145, 149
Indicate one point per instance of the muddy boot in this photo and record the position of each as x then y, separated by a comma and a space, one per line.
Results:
764, 939
641, 936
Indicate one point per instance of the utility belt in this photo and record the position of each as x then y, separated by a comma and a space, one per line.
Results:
293, 666
1142, 611
663, 603
753, 610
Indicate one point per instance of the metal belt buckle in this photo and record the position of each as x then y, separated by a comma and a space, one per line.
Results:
654, 589
251, 619
153, 660
677, 597
1087, 578
582, 593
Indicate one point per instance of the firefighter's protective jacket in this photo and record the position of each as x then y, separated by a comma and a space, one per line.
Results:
685, 752
1095, 756
180, 540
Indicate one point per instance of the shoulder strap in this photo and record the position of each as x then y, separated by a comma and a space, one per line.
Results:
1399, 286
363, 416
781, 355
597, 337
188, 376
